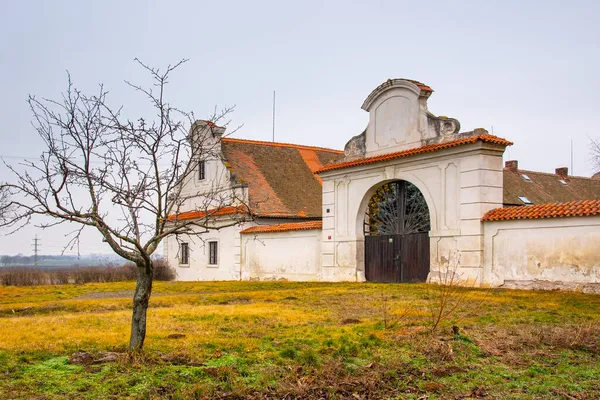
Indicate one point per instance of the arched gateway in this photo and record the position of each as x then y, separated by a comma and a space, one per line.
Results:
396, 230
372, 229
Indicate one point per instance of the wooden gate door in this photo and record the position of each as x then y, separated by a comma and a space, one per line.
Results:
382, 258
414, 261
396, 234
397, 258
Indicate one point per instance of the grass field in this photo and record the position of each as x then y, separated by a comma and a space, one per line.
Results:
258, 340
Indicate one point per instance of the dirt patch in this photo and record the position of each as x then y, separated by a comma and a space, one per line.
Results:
441, 372
84, 358
176, 336
349, 321
36, 310
107, 295
236, 300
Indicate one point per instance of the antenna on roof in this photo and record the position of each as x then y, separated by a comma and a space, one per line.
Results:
572, 172
273, 115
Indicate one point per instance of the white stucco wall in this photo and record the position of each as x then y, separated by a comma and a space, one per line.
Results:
198, 269
387, 132
553, 249
216, 189
291, 255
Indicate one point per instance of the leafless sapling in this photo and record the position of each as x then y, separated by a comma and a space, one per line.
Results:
123, 177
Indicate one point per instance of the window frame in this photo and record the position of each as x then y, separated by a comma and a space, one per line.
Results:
212, 243
184, 256
201, 170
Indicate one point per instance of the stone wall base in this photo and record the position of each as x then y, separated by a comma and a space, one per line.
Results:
583, 287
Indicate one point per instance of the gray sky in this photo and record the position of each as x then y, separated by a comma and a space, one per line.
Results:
527, 68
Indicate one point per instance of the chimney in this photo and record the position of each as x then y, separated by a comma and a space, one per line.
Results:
512, 165
562, 171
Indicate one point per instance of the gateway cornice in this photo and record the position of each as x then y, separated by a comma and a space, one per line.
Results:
422, 90
483, 141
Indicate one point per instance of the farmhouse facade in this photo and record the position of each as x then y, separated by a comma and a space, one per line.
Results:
409, 199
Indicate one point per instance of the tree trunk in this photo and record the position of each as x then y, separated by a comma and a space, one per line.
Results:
143, 289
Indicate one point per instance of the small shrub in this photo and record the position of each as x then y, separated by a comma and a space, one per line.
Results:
163, 271
448, 295
288, 353
23, 277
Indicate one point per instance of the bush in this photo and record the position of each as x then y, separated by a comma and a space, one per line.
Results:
163, 271
22, 276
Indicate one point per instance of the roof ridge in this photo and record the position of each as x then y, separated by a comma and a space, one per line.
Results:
484, 137
548, 173
292, 226
576, 208
281, 144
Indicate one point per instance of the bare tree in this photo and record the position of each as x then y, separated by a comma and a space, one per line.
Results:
125, 178
595, 153
4, 203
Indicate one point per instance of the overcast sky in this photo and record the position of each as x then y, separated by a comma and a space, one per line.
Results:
530, 69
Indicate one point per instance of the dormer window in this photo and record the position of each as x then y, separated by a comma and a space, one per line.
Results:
528, 179
525, 200
201, 170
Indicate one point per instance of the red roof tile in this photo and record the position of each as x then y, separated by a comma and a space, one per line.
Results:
543, 188
280, 176
485, 137
208, 213
210, 123
297, 226
279, 144
421, 86
550, 210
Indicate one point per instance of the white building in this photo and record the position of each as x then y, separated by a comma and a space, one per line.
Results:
410, 198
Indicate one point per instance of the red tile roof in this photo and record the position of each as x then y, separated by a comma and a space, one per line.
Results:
297, 226
485, 137
543, 188
280, 176
279, 144
550, 210
208, 213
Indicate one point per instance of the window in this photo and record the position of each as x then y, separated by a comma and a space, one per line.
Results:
562, 181
528, 179
525, 200
201, 170
213, 250
185, 254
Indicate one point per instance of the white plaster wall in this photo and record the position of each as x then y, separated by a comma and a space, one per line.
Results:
198, 269
291, 255
216, 189
387, 132
553, 249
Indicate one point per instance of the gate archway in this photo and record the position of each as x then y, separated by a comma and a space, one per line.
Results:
396, 229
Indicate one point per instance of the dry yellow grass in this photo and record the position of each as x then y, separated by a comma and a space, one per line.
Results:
258, 333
